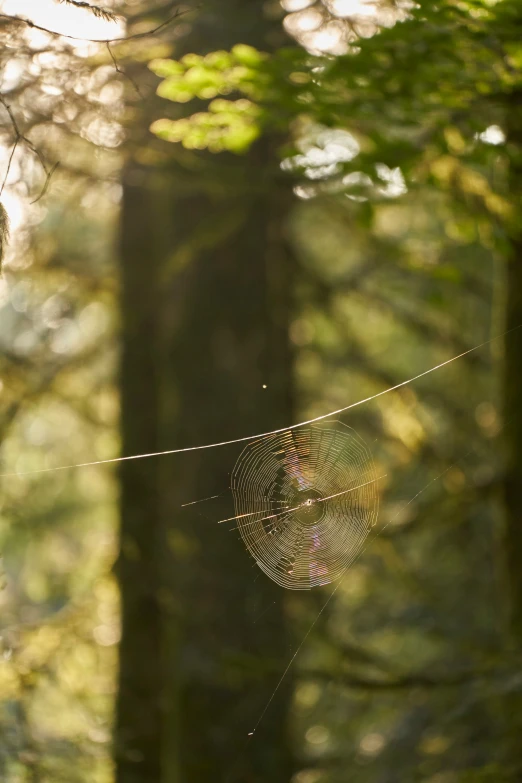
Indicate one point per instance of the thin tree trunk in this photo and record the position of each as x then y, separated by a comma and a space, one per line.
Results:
513, 489
513, 420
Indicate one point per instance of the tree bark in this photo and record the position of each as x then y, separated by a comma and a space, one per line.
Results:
138, 724
227, 317
513, 420
207, 280
513, 417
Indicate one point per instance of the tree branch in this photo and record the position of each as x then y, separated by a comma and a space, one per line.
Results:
99, 12
416, 680
135, 36
20, 137
96, 10
119, 70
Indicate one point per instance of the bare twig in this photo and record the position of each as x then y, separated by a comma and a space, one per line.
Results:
20, 137
46, 183
96, 10
9, 162
99, 12
120, 71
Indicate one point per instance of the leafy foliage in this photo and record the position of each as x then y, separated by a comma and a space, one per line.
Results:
230, 125
418, 98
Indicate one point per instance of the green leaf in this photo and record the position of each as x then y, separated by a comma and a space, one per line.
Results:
247, 55
165, 68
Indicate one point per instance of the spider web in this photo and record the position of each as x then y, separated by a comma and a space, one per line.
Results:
305, 502
305, 499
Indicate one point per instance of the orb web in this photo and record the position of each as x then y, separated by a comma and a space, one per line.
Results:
305, 501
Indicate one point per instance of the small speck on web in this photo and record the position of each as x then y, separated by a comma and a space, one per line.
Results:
264, 386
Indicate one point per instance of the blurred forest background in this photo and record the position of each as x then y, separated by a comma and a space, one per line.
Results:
344, 216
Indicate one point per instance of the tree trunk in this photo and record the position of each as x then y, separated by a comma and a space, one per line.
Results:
139, 725
513, 419
206, 300
227, 318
